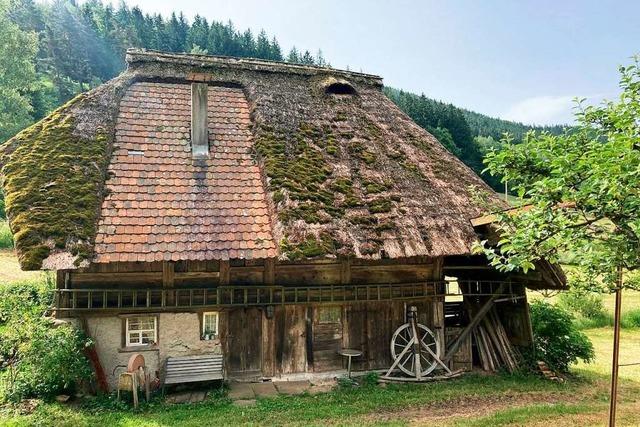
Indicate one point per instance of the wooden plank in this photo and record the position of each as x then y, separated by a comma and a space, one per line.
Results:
345, 272
197, 275
224, 272
153, 276
168, 274
269, 271
472, 324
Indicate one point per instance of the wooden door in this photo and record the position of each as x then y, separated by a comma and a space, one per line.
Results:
244, 342
327, 338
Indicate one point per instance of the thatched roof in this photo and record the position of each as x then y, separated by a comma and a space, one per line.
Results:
305, 162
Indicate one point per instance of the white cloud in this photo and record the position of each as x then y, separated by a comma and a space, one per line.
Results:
542, 110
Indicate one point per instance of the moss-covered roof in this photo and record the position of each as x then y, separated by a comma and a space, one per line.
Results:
345, 172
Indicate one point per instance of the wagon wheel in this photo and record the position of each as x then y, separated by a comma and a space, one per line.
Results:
429, 346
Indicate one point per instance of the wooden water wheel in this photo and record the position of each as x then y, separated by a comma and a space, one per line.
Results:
415, 350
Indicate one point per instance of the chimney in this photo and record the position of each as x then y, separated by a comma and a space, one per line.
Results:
199, 125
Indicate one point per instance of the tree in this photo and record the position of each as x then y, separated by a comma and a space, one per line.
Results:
263, 49
583, 192
17, 75
294, 56
307, 58
276, 52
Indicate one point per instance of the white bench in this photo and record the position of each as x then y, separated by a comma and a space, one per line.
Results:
189, 369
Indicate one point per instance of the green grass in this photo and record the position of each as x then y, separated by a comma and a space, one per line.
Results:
519, 416
6, 238
337, 406
10, 269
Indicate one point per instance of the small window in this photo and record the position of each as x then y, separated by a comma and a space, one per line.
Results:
210, 325
330, 314
141, 331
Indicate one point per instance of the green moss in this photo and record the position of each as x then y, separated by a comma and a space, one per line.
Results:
342, 185
358, 150
363, 220
372, 187
381, 205
311, 247
53, 187
278, 196
412, 168
294, 161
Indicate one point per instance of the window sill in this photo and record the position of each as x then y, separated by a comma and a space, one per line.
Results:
136, 348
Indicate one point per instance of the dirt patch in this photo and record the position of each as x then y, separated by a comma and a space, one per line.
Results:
467, 407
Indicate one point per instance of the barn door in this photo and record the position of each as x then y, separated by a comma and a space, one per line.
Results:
327, 338
244, 342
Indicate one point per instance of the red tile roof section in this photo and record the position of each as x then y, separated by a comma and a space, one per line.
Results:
162, 204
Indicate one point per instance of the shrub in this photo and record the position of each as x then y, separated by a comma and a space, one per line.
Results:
588, 307
556, 339
582, 302
37, 359
6, 238
631, 319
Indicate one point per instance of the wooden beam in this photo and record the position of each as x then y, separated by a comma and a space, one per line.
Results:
224, 272
269, 277
451, 350
168, 274
345, 272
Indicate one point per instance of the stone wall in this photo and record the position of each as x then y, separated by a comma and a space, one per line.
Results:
178, 335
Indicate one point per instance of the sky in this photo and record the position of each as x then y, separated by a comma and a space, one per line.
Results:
518, 60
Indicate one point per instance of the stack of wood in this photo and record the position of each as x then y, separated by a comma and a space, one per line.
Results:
548, 373
493, 345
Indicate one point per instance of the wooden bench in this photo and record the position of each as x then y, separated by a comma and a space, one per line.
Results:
189, 369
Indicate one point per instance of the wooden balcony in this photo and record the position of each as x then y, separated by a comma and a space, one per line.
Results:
175, 299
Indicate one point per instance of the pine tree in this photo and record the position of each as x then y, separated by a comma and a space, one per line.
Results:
198, 34
263, 49
248, 44
320, 59
294, 56
307, 58
276, 52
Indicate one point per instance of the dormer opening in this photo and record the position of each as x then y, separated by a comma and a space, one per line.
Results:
340, 88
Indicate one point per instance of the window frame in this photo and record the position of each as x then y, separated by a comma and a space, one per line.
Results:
127, 332
204, 324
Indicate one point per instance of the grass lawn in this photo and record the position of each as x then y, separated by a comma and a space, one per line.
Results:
10, 269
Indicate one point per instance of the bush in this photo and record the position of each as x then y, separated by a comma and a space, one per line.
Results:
37, 359
584, 303
631, 319
556, 339
6, 238
587, 306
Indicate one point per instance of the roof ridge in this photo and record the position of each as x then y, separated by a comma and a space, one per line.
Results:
139, 55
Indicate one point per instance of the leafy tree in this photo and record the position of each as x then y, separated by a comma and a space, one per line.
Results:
17, 75
583, 191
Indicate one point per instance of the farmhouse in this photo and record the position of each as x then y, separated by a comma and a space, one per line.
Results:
270, 213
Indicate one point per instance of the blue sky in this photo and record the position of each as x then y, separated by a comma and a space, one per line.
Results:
520, 60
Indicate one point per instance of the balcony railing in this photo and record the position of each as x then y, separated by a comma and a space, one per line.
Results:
167, 299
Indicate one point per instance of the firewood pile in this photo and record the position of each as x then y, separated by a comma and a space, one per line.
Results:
494, 348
